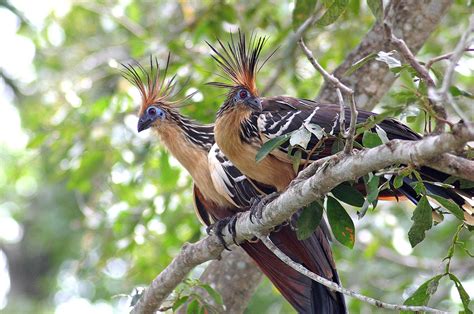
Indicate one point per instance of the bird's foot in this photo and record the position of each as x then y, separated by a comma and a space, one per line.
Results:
216, 228
258, 203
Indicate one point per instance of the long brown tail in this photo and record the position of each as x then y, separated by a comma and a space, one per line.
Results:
304, 294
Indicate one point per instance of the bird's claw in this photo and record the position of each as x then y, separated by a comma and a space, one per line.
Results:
257, 205
217, 228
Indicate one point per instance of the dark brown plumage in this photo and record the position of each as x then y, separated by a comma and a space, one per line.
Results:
220, 190
246, 121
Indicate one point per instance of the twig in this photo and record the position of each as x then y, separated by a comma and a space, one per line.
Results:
408, 55
342, 115
352, 126
423, 72
430, 62
349, 134
327, 76
442, 94
332, 285
298, 195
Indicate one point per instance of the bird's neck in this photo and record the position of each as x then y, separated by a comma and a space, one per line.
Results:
190, 143
236, 133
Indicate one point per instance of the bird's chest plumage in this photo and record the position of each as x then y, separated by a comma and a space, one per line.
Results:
239, 139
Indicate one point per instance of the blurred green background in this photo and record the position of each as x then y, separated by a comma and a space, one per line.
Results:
89, 209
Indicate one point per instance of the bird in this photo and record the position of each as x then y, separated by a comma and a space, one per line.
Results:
220, 191
246, 121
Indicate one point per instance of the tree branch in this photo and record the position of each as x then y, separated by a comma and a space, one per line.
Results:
332, 285
412, 20
456, 166
442, 94
349, 134
342, 168
235, 276
423, 73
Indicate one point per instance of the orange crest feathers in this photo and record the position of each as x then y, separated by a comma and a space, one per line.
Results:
240, 61
151, 84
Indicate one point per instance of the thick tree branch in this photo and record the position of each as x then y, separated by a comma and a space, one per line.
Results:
411, 20
456, 166
330, 284
327, 174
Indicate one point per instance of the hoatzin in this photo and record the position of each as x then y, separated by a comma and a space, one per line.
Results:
246, 121
221, 191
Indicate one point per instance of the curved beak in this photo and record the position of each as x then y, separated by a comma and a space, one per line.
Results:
255, 103
144, 122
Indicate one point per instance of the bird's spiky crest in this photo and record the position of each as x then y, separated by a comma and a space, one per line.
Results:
152, 84
240, 61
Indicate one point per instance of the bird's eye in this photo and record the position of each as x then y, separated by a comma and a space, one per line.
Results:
152, 111
155, 112
243, 94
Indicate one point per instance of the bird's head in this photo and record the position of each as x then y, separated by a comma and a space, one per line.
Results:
239, 60
158, 108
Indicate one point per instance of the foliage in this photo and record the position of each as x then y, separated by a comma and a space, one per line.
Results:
100, 209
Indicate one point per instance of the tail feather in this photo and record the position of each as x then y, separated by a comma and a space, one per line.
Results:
397, 130
456, 194
304, 294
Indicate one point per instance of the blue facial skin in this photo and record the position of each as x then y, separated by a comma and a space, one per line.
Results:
244, 96
151, 115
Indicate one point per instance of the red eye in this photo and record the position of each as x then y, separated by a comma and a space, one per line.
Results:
151, 111
243, 94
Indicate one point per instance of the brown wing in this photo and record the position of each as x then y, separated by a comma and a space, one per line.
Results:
207, 211
284, 115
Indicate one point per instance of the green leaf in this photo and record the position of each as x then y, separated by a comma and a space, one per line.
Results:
180, 302
382, 134
376, 6
398, 181
193, 307
450, 206
270, 145
424, 292
357, 65
340, 222
303, 9
372, 186
300, 137
411, 119
462, 293
370, 139
333, 12
213, 293
309, 220
296, 159
466, 184
337, 146
456, 91
422, 221
372, 189
348, 194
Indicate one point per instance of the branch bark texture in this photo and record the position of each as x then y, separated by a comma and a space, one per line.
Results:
322, 176
411, 20
236, 277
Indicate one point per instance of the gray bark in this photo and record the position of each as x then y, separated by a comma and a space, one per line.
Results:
411, 20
